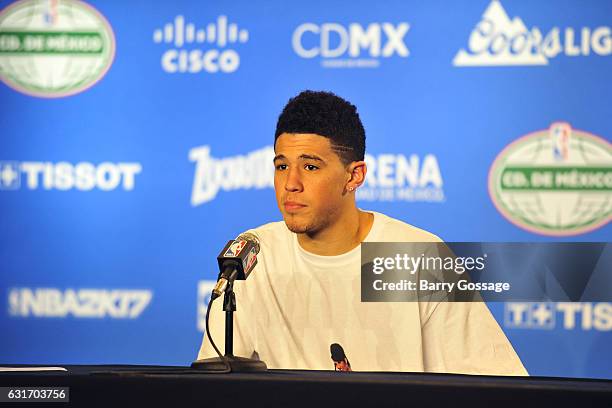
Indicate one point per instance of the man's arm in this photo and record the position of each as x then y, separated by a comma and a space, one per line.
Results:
463, 337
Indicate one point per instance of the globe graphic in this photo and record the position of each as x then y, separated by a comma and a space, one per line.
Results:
55, 74
558, 212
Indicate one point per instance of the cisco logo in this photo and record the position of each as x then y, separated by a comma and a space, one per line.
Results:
354, 46
549, 315
188, 55
83, 176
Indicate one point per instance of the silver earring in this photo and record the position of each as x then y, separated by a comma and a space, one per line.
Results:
351, 188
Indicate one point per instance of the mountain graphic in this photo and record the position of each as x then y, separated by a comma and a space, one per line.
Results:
496, 23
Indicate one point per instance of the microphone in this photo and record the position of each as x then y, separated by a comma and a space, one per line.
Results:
236, 261
341, 362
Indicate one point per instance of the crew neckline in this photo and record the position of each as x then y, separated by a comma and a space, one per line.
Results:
342, 258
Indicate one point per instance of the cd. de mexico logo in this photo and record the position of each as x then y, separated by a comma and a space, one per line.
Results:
54, 48
555, 182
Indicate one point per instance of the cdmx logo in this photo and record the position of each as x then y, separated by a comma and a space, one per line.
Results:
498, 40
567, 315
352, 46
54, 48
200, 49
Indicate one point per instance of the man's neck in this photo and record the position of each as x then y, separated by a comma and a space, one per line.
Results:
339, 238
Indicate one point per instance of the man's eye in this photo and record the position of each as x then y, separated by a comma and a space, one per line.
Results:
310, 167
281, 167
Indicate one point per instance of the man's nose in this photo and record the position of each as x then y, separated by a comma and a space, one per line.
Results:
293, 182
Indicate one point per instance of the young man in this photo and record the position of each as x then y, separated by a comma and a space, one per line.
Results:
304, 294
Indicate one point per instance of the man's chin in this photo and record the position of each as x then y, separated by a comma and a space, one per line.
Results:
297, 226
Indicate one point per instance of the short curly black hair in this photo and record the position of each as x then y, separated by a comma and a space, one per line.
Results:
328, 115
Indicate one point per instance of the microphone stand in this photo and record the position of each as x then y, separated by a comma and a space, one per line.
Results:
236, 364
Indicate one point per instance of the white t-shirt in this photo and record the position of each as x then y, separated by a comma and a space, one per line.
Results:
295, 304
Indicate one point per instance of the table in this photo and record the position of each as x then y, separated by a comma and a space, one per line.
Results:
105, 385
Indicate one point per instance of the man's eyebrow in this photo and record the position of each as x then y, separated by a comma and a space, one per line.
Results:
301, 156
311, 157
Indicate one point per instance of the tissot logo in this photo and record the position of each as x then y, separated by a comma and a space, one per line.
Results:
83, 176
9, 175
567, 315
498, 40
352, 46
200, 49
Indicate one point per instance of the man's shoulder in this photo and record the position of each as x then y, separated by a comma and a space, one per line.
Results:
271, 231
276, 243
393, 230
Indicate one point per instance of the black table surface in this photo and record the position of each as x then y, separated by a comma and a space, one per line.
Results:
113, 385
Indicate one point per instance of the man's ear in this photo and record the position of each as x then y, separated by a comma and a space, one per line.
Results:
357, 171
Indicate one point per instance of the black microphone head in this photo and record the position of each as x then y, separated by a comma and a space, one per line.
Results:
239, 255
337, 352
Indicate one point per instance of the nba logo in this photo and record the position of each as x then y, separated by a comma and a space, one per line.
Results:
235, 248
560, 134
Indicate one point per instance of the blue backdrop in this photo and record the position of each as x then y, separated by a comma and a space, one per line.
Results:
118, 191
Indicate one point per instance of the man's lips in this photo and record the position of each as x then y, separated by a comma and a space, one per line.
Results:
293, 206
